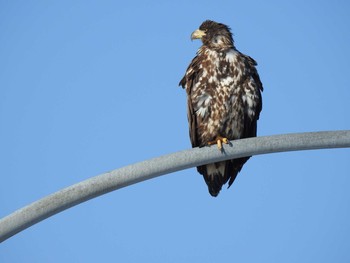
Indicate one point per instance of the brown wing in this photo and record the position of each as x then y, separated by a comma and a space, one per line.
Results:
250, 125
191, 76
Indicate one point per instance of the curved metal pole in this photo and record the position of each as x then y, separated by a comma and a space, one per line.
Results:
116, 179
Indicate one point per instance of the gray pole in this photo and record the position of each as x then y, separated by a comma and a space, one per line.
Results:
116, 179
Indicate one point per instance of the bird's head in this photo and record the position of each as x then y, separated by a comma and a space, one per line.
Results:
214, 35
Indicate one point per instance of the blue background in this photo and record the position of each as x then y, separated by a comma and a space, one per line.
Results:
91, 86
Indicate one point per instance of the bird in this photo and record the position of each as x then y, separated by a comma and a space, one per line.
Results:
224, 99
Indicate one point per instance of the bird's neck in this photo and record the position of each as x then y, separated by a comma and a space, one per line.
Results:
222, 49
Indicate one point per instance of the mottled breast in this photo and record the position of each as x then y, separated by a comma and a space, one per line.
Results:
224, 95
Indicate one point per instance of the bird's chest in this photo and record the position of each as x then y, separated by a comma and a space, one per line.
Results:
217, 85
215, 107
214, 96
217, 99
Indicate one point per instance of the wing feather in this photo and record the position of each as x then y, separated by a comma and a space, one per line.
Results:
186, 82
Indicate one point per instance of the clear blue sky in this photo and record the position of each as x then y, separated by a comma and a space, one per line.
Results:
91, 86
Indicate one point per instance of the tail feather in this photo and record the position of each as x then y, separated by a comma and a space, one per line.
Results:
218, 174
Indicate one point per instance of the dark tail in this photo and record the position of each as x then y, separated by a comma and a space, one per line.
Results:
218, 174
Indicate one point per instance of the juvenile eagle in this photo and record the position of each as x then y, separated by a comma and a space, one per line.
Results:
224, 99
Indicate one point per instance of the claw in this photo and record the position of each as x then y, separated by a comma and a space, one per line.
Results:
219, 141
219, 144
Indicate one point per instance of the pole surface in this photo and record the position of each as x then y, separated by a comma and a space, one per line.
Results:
132, 174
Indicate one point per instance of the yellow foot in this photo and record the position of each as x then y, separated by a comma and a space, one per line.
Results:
219, 141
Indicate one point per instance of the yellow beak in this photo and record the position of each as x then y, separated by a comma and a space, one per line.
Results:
198, 34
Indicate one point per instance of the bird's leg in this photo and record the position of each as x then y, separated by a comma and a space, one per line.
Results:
218, 141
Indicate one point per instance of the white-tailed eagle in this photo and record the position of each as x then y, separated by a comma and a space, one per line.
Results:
224, 99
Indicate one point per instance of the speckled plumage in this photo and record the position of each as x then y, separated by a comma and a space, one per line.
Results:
223, 97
